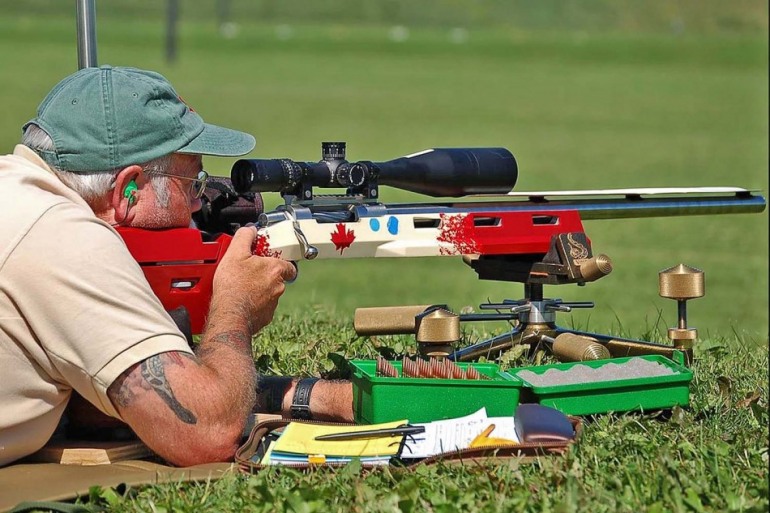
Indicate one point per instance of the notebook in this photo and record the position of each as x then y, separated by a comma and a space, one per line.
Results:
297, 444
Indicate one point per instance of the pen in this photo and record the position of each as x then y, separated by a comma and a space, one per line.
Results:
373, 433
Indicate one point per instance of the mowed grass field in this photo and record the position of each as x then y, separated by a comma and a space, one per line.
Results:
579, 110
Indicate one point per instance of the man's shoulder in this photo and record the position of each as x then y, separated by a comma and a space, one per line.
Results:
23, 161
28, 184
30, 196
23, 181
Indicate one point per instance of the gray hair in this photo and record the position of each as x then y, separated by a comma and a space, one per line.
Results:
92, 187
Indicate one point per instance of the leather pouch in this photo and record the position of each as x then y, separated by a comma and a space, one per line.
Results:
249, 455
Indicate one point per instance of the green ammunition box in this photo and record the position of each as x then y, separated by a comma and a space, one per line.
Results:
382, 399
634, 394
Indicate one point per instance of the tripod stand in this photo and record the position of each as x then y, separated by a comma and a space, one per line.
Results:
536, 326
569, 260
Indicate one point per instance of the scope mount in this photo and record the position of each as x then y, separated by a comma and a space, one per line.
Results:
359, 178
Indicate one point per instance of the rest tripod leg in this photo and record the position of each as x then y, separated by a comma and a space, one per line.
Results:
493, 347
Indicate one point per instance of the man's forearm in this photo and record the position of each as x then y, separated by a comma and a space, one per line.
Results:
190, 409
226, 350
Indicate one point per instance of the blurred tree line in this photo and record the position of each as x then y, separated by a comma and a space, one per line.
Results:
698, 16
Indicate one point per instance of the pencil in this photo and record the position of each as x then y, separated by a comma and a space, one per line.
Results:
479, 440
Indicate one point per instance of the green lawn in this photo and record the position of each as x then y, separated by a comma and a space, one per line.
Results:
711, 457
579, 110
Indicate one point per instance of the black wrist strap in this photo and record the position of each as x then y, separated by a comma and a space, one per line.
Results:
270, 392
300, 405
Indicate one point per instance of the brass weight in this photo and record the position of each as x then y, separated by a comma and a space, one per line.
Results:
436, 332
435, 329
682, 283
569, 347
387, 320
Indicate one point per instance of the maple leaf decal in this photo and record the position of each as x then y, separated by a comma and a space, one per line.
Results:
261, 246
458, 232
342, 238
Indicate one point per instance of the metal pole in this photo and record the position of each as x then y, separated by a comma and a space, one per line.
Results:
223, 12
86, 26
172, 15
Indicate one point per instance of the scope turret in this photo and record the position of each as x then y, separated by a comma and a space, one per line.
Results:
438, 172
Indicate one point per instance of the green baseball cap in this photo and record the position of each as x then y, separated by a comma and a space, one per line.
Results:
111, 117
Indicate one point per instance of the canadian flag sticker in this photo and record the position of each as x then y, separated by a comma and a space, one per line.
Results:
342, 238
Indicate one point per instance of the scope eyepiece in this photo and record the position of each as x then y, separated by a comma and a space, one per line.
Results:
265, 175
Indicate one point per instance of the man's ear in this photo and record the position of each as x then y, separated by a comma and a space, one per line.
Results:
127, 188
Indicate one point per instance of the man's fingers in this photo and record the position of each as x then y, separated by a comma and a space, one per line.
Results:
289, 272
242, 243
243, 240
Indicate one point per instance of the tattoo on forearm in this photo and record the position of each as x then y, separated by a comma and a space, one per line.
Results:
152, 376
237, 340
153, 371
123, 395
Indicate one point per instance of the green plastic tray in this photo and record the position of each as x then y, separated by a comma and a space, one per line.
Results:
382, 399
638, 394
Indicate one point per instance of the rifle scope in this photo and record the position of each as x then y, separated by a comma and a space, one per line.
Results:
438, 172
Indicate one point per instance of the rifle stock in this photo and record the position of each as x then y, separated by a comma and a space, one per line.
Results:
515, 224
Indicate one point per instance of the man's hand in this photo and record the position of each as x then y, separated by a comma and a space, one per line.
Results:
247, 287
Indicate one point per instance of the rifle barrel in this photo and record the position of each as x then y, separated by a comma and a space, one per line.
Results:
670, 207
633, 203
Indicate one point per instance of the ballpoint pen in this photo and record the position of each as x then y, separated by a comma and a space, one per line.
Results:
373, 433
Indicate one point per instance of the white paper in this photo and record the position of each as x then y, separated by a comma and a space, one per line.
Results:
454, 434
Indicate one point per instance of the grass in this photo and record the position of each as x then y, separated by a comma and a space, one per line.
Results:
586, 109
712, 456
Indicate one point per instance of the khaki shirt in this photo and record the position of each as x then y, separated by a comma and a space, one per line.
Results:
75, 309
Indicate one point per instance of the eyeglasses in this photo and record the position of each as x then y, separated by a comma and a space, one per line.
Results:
198, 185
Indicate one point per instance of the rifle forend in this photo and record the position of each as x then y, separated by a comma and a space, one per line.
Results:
530, 237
